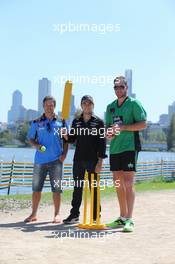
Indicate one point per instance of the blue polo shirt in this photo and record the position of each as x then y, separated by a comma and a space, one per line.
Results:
46, 132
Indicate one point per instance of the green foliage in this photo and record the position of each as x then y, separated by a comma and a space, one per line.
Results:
153, 136
171, 134
22, 131
156, 136
6, 137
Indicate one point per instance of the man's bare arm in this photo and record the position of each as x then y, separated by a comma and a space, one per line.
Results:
34, 144
65, 150
134, 127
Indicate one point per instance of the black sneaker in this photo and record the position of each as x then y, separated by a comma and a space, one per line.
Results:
71, 219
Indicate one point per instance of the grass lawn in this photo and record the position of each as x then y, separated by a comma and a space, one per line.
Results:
153, 185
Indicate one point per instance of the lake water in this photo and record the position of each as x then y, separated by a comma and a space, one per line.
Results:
27, 155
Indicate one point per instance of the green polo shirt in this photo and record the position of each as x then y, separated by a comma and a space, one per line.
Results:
131, 111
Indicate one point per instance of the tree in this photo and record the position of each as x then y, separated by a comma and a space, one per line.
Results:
171, 134
154, 136
6, 137
22, 133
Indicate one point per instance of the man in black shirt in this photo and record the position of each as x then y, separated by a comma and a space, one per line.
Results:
88, 134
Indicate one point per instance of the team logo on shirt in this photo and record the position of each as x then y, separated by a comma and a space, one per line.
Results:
117, 120
78, 124
41, 124
112, 110
58, 124
130, 165
93, 124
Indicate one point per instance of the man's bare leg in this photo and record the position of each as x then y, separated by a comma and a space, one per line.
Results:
130, 192
57, 202
36, 197
118, 178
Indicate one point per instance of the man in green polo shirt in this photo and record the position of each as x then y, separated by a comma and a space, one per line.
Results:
125, 117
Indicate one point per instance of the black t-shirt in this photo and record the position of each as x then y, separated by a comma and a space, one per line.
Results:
89, 138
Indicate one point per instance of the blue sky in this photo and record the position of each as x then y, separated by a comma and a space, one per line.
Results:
30, 49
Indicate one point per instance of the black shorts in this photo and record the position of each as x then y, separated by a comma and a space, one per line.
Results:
125, 161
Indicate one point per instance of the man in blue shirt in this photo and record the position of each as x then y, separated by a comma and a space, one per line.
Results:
51, 150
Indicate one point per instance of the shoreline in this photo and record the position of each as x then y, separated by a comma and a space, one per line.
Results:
19, 202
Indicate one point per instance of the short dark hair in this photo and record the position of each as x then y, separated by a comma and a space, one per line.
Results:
48, 97
87, 97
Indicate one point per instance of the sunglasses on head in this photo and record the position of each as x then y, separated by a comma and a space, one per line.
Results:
117, 87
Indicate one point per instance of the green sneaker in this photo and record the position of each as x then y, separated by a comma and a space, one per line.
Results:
129, 226
116, 224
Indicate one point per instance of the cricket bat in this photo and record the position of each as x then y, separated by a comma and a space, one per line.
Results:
66, 101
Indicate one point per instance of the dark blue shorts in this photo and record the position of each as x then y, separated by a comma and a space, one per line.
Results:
54, 170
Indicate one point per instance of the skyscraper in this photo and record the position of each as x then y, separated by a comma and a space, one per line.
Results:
171, 111
72, 109
44, 89
17, 111
17, 98
31, 115
163, 120
128, 76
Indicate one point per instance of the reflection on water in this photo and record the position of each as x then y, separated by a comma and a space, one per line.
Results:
27, 155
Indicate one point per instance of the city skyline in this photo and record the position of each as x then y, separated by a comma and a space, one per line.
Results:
17, 110
17, 101
50, 43
18, 113
44, 89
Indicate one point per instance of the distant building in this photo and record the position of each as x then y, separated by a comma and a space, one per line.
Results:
171, 111
154, 137
3, 126
31, 115
153, 127
164, 120
44, 89
104, 116
17, 111
128, 76
59, 114
17, 98
72, 110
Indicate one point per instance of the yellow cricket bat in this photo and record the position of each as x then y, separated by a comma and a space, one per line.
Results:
66, 101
